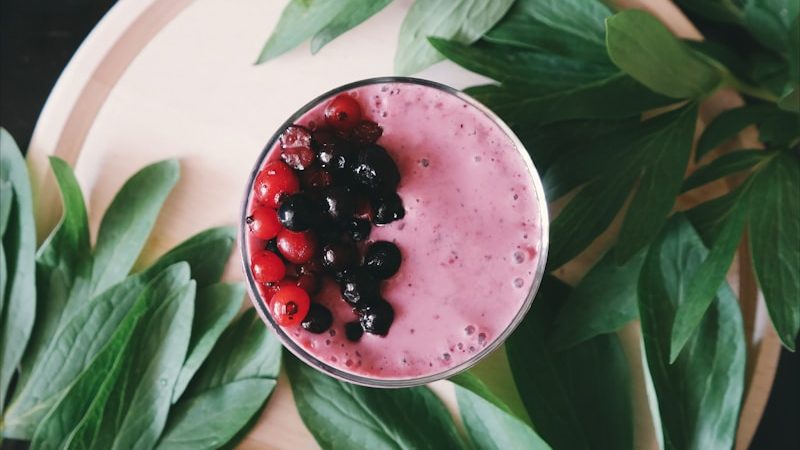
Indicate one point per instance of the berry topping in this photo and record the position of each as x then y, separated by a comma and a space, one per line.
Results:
275, 181
289, 305
353, 331
366, 132
297, 246
333, 153
339, 203
359, 229
376, 170
360, 289
383, 259
272, 245
388, 209
296, 147
377, 318
316, 178
264, 223
343, 112
308, 282
318, 320
267, 267
339, 256
298, 212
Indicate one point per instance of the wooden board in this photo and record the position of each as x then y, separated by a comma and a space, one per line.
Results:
175, 78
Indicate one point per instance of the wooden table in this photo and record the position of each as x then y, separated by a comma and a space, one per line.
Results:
175, 78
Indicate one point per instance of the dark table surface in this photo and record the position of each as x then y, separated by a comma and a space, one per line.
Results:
37, 39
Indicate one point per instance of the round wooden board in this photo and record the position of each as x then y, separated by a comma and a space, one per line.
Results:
175, 78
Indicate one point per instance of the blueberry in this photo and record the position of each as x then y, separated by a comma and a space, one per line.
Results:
318, 319
339, 203
353, 331
360, 289
376, 170
377, 318
332, 152
339, 256
383, 259
298, 212
388, 209
359, 229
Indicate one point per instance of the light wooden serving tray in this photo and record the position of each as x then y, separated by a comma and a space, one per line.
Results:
175, 78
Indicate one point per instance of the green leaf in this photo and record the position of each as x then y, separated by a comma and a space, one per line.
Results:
128, 220
700, 394
489, 422
215, 308
642, 46
770, 21
229, 390
206, 252
75, 420
18, 307
727, 164
6, 198
136, 412
729, 123
603, 301
774, 224
790, 101
728, 11
351, 13
462, 21
343, 416
299, 20
566, 393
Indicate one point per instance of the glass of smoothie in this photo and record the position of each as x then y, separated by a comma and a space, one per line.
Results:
462, 213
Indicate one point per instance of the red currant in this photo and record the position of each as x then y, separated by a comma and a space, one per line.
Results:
290, 305
305, 281
275, 181
267, 291
297, 246
343, 112
267, 267
264, 223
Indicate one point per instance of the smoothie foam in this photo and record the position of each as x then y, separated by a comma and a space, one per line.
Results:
471, 240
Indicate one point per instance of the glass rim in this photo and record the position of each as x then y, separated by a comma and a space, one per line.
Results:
368, 381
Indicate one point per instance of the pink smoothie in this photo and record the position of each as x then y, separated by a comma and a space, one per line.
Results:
471, 238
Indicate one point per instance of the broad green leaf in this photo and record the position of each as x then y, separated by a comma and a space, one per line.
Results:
207, 252
6, 198
211, 418
727, 164
128, 220
19, 247
75, 420
729, 11
729, 123
351, 13
215, 307
700, 394
489, 423
791, 101
572, 28
344, 416
463, 21
299, 21
567, 393
770, 21
602, 302
642, 46
229, 390
774, 223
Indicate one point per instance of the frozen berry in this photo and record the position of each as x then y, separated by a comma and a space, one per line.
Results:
267, 291
376, 170
289, 305
364, 207
275, 181
334, 153
383, 259
339, 256
267, 267
318, 319
272, 245
366, 132
377, 318
388, 209
263, 223
359, 229
360, 289
316, 178
353, 331
298, 212
339, 203
343, 112
296, 150
297, 246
